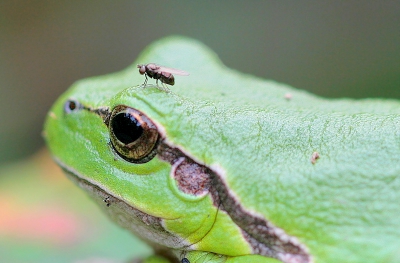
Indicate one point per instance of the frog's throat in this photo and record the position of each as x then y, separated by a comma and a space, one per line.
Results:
264, 238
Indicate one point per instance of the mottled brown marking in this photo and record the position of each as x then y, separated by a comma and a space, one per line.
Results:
191, 177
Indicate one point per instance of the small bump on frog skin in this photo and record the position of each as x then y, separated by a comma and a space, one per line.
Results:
288, 96
52, 115
107, 201
314, 157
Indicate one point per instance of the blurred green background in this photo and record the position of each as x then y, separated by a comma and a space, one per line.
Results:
331, 48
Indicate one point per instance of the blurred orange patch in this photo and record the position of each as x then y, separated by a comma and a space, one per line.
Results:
41, 224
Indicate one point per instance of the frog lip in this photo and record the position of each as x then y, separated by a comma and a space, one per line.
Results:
148, 227
85, 183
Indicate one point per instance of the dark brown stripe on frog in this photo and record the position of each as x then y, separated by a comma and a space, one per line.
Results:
264, 238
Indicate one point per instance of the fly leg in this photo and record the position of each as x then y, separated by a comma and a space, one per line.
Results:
165, 87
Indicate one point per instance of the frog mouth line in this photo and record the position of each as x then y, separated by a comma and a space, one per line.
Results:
108, 199
140, 223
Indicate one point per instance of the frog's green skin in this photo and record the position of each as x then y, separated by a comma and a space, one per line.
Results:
248, 147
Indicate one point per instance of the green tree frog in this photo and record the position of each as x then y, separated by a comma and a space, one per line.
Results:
228, 167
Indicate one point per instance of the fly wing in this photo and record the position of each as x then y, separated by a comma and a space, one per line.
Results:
173, 71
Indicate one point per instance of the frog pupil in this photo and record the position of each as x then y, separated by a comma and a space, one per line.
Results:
126, 128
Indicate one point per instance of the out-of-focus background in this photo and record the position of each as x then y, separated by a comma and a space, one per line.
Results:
331, 48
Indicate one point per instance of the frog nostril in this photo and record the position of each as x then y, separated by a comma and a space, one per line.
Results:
72, 105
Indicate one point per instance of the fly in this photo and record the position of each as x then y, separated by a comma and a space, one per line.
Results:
157, 72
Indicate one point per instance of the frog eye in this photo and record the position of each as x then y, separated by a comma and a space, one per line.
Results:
133, 135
